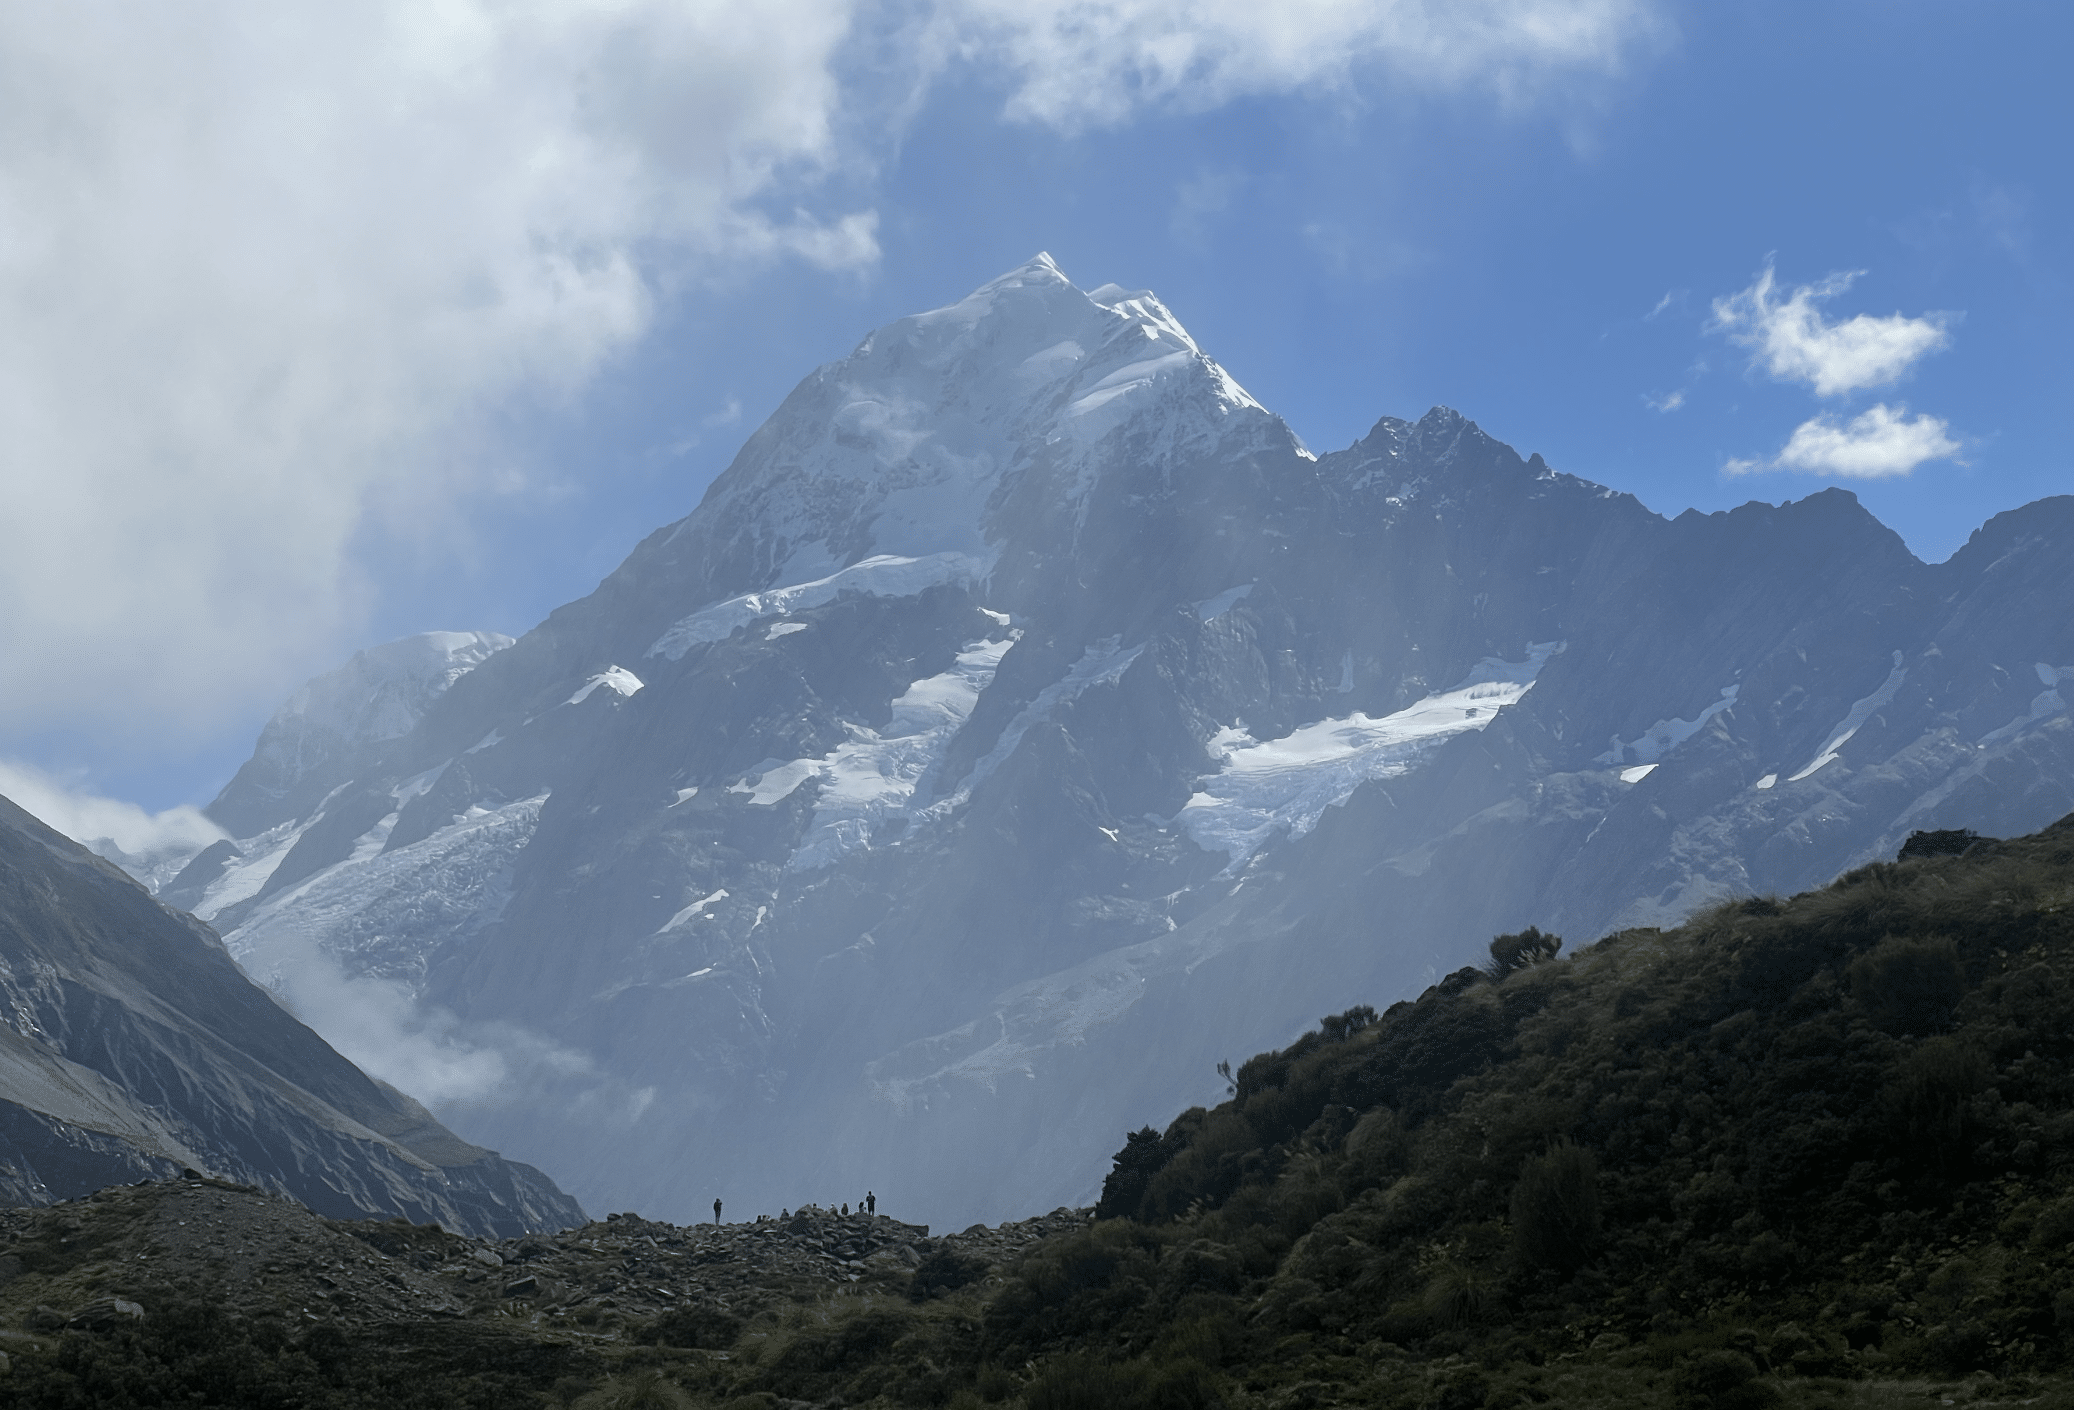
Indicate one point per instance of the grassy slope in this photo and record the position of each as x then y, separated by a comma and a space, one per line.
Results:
1818, 1151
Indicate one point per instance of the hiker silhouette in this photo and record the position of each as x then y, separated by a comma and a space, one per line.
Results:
871, 1203
716, 1213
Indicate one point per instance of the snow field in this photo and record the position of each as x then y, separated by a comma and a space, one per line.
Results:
1283, 786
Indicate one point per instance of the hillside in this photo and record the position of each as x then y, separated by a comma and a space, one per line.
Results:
1816, 1151
134, 1047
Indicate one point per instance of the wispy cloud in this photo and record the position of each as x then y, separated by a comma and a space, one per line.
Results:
1795, 343
1671, 297
1878, 444
1093, 63
1669, 401
87, 817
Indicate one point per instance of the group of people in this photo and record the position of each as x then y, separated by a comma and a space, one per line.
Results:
868, 1206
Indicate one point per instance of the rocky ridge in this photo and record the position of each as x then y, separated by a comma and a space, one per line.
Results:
115, 1252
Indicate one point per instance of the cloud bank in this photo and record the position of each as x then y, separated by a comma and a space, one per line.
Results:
267, 272
261, 265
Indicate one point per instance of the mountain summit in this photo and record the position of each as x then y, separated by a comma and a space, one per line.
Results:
1027, 721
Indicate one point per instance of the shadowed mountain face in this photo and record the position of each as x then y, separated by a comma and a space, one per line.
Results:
1027, 720
135, 1047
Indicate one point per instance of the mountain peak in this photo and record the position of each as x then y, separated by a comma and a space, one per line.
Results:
907, 448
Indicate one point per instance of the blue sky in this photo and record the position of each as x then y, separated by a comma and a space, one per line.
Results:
1538, 238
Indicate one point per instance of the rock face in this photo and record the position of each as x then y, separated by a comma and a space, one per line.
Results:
1027, 721
134, 1048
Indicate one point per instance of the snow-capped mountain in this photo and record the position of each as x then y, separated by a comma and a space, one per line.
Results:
1026, 720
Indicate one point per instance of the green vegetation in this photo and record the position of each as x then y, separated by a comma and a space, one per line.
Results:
1816, 1151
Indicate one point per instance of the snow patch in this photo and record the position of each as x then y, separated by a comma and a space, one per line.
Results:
1285, 785
883, 576
685, 795
2045, 705
1637, 773
1853, 722
774, 779
1652, 744
1211, 608
614, 678
1768, 781
873, 777
691, 912
784, 629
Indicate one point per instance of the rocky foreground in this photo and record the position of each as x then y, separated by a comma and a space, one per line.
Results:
257, 1255
575, 1303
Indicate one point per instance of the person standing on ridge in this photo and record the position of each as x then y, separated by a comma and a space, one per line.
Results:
716, 1213
871, 1203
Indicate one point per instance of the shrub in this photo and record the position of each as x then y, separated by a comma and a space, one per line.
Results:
1130, 1172
1457, 1295
1532, 946
1555, 1208
1909, 985
1926, 1101
702, 1326
650, 1390
1083, 1383
1949, 842
1721, 1380
945, 1270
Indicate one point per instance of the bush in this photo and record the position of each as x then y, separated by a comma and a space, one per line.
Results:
1555, 1208
1909, 985
703, 1327
1949, 842
945, 1270
1131, 1171
1927, 1099
650, 1390
1721, 1380
1511, 953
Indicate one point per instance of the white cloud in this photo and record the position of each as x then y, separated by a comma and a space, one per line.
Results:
88, 817
1669, 401
1881, 442
268, 271
1795, 343
1093, 63
1878, 444
259, 264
